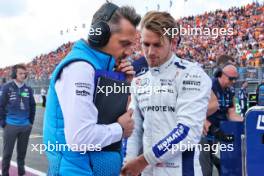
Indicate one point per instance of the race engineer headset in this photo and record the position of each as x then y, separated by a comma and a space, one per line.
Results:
71, 116
225, 77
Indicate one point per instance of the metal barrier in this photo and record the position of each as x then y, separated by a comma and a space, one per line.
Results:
252, 74
37, 85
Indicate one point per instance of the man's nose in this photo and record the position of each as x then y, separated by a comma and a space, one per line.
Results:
151, 50
128, 51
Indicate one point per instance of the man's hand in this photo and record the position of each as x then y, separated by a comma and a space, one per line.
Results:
134, 167
206, 126
127, 123
126, 67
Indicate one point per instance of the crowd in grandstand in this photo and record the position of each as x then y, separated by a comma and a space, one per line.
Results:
42, 66
246, 44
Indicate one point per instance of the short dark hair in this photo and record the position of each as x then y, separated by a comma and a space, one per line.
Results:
124, 12
19, 66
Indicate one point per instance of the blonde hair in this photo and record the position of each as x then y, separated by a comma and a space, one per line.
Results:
157, 22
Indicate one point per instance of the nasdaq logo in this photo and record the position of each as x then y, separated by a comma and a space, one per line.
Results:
260, 123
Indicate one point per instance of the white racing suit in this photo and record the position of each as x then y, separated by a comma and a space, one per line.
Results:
170, 105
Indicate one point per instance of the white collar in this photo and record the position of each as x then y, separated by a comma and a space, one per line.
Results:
19, 85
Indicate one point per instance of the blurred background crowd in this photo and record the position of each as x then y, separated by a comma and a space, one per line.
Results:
246, 44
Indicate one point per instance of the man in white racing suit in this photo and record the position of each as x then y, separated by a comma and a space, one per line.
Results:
170, 104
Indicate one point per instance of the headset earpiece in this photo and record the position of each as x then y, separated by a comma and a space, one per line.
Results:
100, 32
13, 72
219, 70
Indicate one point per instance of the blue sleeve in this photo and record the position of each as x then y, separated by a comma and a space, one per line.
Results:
3, 103
32, 107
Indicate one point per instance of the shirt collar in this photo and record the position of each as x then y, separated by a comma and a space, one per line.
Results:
106, 61
19, 85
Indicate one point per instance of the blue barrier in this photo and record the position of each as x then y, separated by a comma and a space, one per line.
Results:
254, 140
231, 159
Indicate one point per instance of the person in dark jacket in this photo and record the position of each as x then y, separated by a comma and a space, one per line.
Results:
17, 112
243, 98
222, 89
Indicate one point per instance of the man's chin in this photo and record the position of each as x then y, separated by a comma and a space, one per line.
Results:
153, 65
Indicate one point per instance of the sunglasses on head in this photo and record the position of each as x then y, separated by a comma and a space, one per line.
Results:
231, 78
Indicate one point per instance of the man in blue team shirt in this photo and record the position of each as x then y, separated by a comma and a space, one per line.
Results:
17, 112
221, 87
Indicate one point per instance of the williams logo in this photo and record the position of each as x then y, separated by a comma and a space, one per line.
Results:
260, 123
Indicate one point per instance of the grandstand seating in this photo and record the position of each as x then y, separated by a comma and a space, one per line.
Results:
246, 44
